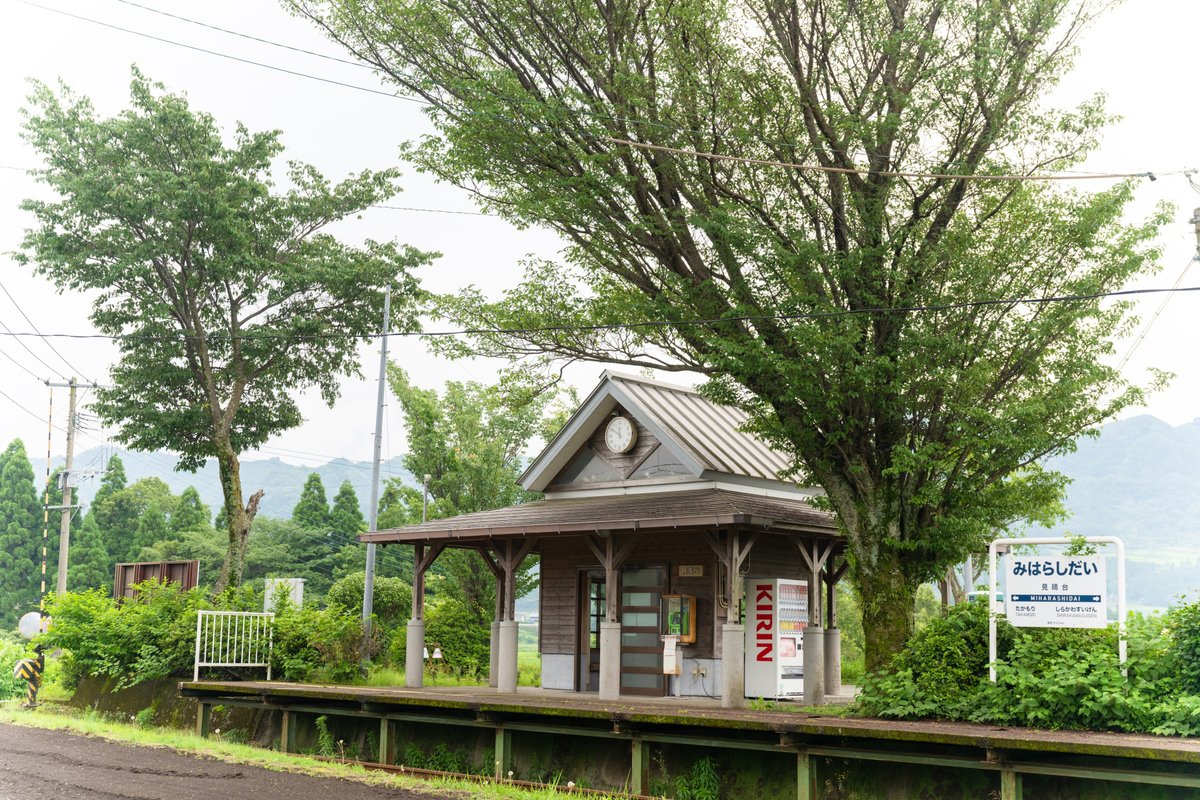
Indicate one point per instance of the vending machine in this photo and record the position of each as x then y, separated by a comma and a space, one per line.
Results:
776, 616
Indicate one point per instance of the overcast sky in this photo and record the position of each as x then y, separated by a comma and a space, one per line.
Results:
1141, 55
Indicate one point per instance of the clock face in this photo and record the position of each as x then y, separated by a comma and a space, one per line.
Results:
620, 435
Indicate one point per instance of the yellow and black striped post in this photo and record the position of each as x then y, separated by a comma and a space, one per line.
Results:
30, 670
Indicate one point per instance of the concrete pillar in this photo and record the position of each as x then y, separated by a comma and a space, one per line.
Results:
494, 655
610, 660
506, 659
814, 666
414, 654
833, 661
733, 665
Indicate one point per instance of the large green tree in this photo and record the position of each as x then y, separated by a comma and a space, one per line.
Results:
226, 294
345, 517
89, 567
471, 441
312, 509
20, 536
850, 301
191, 514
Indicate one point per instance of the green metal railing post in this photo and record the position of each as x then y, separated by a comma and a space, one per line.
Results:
639, 776
1010, 785
806, 777
203, 719
385, 741
287, 732
503, 752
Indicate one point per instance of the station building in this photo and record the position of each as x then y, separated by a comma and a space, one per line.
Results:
673, 560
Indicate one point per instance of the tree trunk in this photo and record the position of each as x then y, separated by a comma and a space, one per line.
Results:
238, 517
888, 600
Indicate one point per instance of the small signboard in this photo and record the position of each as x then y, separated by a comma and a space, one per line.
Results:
691, 570
1056, 592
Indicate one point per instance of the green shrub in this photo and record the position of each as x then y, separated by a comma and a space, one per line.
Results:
938, 672
1184, 622
392, 600
1048, 678
10, 653
324, 646
135, 641
464, 638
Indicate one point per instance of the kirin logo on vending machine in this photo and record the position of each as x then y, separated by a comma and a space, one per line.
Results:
764, 621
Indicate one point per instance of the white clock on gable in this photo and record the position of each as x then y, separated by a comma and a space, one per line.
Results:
620, 436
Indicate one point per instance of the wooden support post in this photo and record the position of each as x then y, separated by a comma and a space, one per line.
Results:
639, 774
1010, 785
418, 589
203, 719
806, 777
503, 753
385, 741
287, 732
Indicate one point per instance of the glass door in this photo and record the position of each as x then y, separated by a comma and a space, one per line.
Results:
592, 614
641, 626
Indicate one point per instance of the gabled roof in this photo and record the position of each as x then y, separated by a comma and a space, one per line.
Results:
692, 509
704, 436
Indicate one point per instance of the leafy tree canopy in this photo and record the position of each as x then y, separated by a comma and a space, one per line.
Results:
924, 428
470, 440
225, 293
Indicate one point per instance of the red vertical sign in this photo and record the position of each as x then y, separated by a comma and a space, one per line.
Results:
764, 622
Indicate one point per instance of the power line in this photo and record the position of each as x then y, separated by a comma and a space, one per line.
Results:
613, 140
766, 162
22, 366
48, 344
1154, 317
588, 112
36, 416
218, 54
358, 64
8, 331
420, 209
657, 323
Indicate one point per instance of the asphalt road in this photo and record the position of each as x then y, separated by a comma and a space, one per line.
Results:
37, 763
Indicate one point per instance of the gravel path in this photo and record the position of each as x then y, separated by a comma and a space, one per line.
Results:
66, 766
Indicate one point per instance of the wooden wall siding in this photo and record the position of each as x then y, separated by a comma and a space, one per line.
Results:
564, 557
775, 556
560, 561
623, 463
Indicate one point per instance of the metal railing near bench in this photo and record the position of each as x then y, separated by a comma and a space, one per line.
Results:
234, 639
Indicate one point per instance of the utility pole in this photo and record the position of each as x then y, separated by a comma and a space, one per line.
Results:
64, 528
368, 605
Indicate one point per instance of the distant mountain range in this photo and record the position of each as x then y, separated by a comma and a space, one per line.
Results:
281, 481
1140, 480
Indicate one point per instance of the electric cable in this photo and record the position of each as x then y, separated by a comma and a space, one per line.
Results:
624, 142
20, 340
615, 326
61, 357
36, 377
1154, 317
625, 120
293, 48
